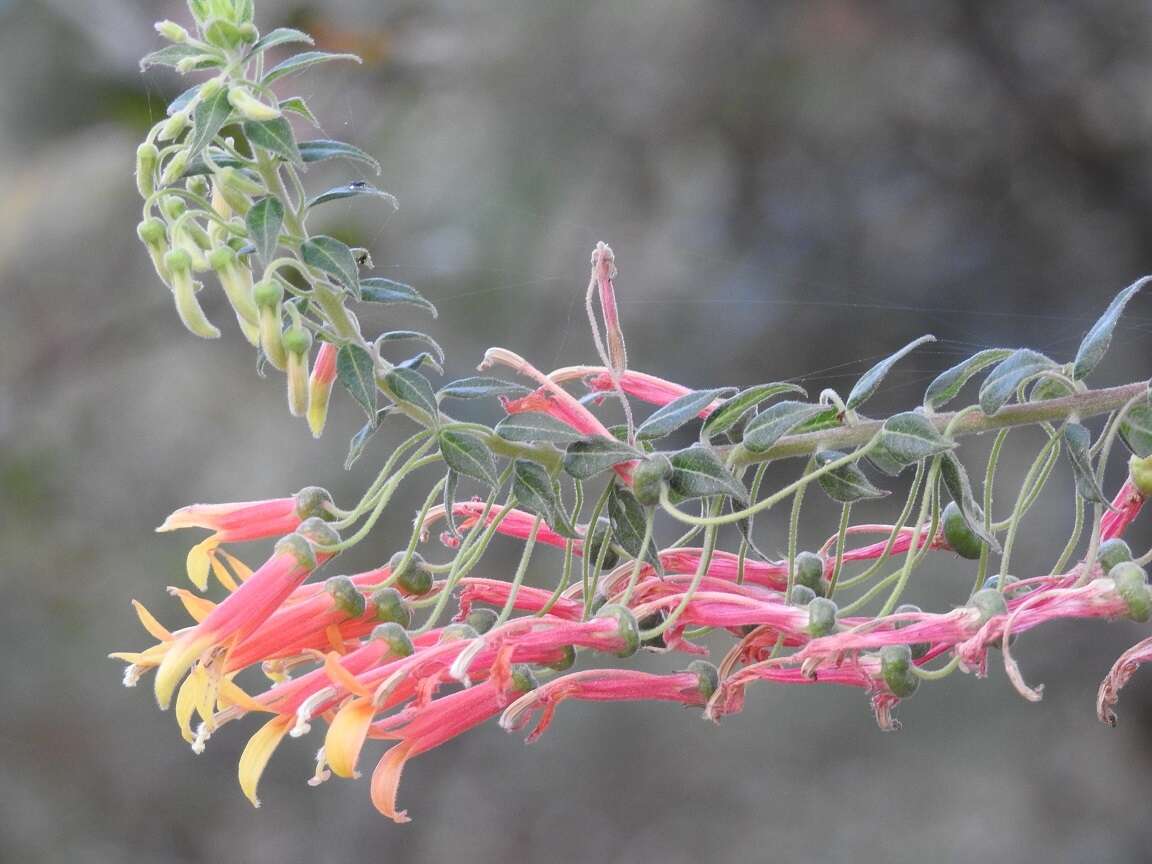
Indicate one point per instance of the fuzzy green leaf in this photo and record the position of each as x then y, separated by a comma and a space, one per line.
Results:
170, 55
1077, 441
356, 371
264, 221
1136, 430
360, 439
355, 189
410, 335
732, 411
588, 457
377, 289
1002, 382
323, 149
670, 417
536, 492
870, 381
183, 100
468, 455
300, 62
296, 105
948, 384
334, 258
412, 388
697, 472
275, 136
533, 428
481, 387
1097, 340
279, 36
777, 420
208, 118
960, 488
628, 519
847, 483
910, 437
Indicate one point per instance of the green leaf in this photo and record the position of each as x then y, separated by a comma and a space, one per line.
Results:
847, 483
412, 388
1136, 430
355, 189
468, 455
264, 221
536, 492
322, 149
676, 413
776, 421
170, 55
732, 411
220, 158
296, 105
360, 439
960, 488
586, 458
451, 481
275, 136
533, 428
697, 472
356, 371
481, 387
300, 62
377, 289
409, 335
1096, 342
870, 381
910, 437
208, 119
628, 519
334, 258
1003, 381
1050, 388
1077, 440
950, 382
183, 100
421, 360
279, 36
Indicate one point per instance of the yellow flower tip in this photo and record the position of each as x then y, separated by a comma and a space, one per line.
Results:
155, 628
257, 752
346, 735
179, 659
199, 562
386, 783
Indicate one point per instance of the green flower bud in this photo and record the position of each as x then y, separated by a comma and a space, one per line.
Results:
250, 107
174, 126
236, 280
190, 64
822, 614
297, 342
896, 668
178, 263
345, 596
1132, 584
601, 535
801, 595
390, 606
628, 627
197, 185
147, 158
990, 603
482, 620
810, 572
175, 168
1111, 553
173, 207
649, 476
411, 573
919, 649
959, 534
171, 31
268, 296
708, 676
399, 642
153, 233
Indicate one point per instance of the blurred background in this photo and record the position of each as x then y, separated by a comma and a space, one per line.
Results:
792, 191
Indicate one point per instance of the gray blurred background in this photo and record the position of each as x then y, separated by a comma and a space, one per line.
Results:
792, 190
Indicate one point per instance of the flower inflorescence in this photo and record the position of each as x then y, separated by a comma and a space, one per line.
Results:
371, 654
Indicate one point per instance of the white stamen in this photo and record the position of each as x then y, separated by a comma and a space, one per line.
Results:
322, 773
203, 733
132, 675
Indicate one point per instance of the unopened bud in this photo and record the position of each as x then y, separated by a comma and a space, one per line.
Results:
297, 343
173, 207
175, 167
345, 596
171, 31
482, 620
896, 668
410, 573
1132, 584
990, 603
236, 280
1111, 553
822, 614
649, 476
190, 64
959, 533
174, 126
147, 158
269, 297
178, 263
390, 606
197, 185
810, 572
250, 107
398, 641
320, 387
801, 595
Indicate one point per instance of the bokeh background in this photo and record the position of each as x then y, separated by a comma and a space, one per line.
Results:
792, 190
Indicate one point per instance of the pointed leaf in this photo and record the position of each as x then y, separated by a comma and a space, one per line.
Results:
412, 388
1077, 440
275, 136
1002, 382
420, 361
334, 258
697, 472
777, 420
264, 220
360, 439
870, 381
183, 100
676, 413
536, 492
322, 149
628, 519
847, 483
409, 335
1136, 430
587, 458
950, 382
208, 118
357, 372
533, 428
482, 387
910, 437
376, 289
1097, 340
732, 411
279, 36
296, 105
169, 55
960, 488
355, 189
468, 455
451, 481
299, 62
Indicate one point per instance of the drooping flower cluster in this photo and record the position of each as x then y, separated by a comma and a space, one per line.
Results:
372, 657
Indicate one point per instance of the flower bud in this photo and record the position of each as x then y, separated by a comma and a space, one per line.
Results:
236, 280
320, 387
990, 603
178, 263
649, 476
801, 595
601, 535
314, 501
959, 533
147, 158
390, 607
154, 235
249, 106
1132, 584
175, 167
173, 207
297, 343
821, 617
345, 596
708, 676
522, 679
197, 61
174, 126
269, 298
1111, 553
919, 649
399, 642
896, 668
628, 628
810, 572
171, 31
482, 620
1140, 472
410, 573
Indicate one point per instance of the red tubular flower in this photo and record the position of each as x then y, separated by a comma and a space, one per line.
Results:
496, 591
516, 523
692, 687
320, 387
1126, 506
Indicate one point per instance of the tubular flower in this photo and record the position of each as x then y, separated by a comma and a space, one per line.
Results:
1120, 674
